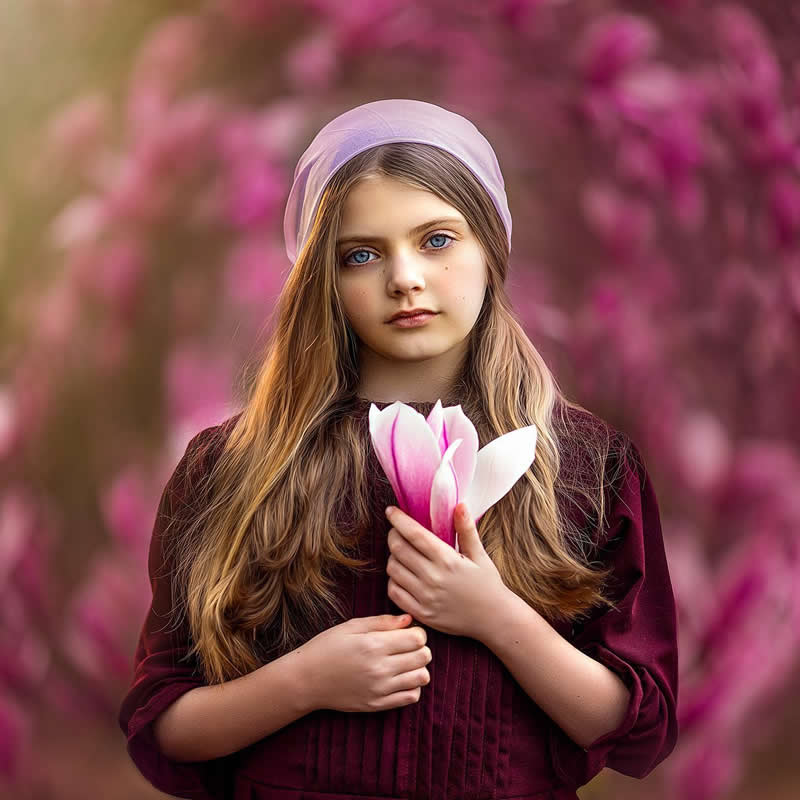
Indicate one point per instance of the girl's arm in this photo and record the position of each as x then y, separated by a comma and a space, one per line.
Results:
167, 687
626, 721
213, 721
583, 696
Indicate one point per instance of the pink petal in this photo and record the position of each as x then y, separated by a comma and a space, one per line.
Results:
409, 454
445, 496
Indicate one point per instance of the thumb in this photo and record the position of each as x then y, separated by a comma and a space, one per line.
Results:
380, 622
469, 542
392, 620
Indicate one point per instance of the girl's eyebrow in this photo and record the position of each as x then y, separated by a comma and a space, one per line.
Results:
412, 232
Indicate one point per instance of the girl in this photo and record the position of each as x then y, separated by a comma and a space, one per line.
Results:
278, 659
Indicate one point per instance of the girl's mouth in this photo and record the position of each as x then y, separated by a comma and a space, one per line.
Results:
412, 322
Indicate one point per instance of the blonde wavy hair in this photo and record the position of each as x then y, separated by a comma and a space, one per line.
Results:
253, 567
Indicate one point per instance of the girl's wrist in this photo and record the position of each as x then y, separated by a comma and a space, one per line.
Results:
297, 680
303, 667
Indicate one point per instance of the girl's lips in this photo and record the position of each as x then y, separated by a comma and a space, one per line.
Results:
412, 322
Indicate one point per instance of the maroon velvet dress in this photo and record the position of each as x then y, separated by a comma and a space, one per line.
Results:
474, 733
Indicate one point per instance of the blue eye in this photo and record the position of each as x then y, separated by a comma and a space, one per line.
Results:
345, 259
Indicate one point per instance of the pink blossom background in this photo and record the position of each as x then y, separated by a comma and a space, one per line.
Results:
652, 161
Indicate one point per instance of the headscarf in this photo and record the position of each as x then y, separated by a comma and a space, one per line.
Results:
379, 122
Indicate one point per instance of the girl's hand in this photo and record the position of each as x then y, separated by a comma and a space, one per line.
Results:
456, 593
367, 664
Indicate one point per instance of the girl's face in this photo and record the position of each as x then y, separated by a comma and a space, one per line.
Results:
395, 256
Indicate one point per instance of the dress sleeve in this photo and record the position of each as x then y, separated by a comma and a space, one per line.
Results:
162, 672
637, 640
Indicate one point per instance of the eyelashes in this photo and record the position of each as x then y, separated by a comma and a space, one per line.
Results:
347, 263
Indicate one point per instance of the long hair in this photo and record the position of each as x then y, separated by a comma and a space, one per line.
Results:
258, 563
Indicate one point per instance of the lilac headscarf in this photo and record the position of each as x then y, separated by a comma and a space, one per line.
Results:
379, 122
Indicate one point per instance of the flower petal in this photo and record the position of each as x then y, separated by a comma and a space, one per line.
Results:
500, 464
445, 496
435, 420
457, 425
409, 454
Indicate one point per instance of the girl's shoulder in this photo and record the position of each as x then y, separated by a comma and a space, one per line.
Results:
583, 435
589, 425
597, 457
207, 443
202, 451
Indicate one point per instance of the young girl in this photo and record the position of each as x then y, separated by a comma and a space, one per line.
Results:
279, 659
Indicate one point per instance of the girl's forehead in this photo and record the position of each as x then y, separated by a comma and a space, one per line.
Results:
385, 185
398, 200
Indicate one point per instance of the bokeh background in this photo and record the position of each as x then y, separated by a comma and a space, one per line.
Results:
652, 158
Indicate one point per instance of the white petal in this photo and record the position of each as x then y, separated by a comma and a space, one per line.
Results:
500, 464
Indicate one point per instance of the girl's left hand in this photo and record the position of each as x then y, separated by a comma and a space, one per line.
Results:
453, 592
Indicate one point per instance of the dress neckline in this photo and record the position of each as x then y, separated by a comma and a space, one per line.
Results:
365, 401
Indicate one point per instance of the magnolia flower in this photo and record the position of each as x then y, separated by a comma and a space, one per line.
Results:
431, 472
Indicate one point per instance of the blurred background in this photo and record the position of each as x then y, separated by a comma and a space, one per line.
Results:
652, 159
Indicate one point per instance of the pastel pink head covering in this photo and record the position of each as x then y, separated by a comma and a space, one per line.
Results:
379, 122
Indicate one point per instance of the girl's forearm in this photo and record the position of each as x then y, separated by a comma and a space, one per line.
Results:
213, 721
583, 696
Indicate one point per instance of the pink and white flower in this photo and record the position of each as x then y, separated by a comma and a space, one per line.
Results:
433, 463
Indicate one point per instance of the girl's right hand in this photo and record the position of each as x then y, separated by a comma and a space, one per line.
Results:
368, 664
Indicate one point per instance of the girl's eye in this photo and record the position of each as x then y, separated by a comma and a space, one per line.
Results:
346, 258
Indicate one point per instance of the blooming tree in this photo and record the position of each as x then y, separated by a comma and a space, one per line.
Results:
651, 151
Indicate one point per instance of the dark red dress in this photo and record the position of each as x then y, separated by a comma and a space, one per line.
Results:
474, 733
